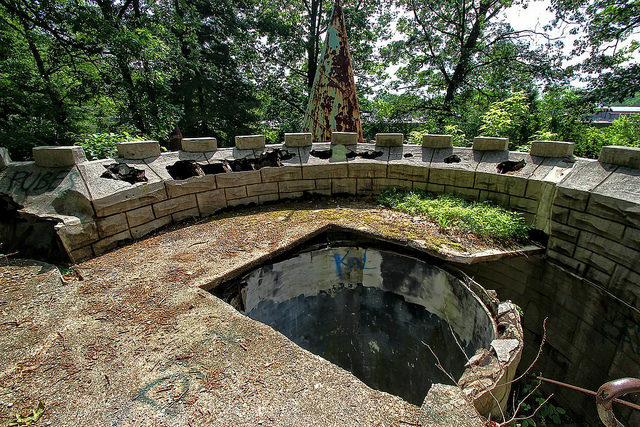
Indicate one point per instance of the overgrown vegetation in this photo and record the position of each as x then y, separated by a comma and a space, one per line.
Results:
103, 145
480, 218
536, 410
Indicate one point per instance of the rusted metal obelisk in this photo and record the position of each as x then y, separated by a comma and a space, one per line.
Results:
333, 103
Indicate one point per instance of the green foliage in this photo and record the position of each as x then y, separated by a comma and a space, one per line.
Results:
415, 137
29, 419
624, 131
548, 414
481, 218
459, 137
103, 145
511, 118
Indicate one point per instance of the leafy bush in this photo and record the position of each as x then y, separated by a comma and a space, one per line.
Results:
511, 118
415, 137
459, 137
103, 145
481, 218
623, 131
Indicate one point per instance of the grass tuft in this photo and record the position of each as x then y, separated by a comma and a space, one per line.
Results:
483, 219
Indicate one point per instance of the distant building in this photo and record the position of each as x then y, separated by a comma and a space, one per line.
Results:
606, 115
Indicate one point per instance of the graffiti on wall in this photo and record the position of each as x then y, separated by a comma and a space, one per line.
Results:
36, 182
346, 264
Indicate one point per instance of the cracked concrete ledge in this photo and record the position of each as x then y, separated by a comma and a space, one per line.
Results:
130, 338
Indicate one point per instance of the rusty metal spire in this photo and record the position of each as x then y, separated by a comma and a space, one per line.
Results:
333, 103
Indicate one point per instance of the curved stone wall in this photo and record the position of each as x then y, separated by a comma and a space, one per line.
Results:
590, 210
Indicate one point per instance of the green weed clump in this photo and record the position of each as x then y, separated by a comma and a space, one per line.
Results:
480, 218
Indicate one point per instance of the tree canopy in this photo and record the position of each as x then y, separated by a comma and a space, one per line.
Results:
95, 71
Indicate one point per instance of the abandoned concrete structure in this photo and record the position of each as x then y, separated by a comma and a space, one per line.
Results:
586, 279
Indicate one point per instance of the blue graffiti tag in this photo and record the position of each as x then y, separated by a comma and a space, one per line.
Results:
351, 264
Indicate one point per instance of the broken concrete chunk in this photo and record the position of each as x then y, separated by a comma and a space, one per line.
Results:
504, 348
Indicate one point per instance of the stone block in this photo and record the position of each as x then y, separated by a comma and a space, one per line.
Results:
262, 189
435, 188
5, 159
367, 170
297, 186
75, 234
437, 141
466, 193
621, 156
81, 254
507, 184
552, 148
298, 139
149, 227
236, 179
389, 139
595, 224
187, 214
454, 177
211, 201
197, 184
380, 184
586, 175
140, 216
108, 243
565, 261
267, 198
561, 246
618, 197
250, 142
235, 193
344, 138
590, 258
58, 157
564, 232
364, 186
111, 225
489, 143
126, 200
497, 198
323, 185
285, 173
199, 145
171, 206
244, 201
328, 170
631, 238
522, 204
344, 186
409, 172
138, 150
610, 249
291, 196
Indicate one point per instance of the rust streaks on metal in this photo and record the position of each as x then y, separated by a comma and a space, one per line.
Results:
333, 102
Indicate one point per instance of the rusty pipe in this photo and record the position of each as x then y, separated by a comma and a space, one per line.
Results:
608, 392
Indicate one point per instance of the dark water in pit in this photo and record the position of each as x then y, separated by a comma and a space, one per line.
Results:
374, 334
